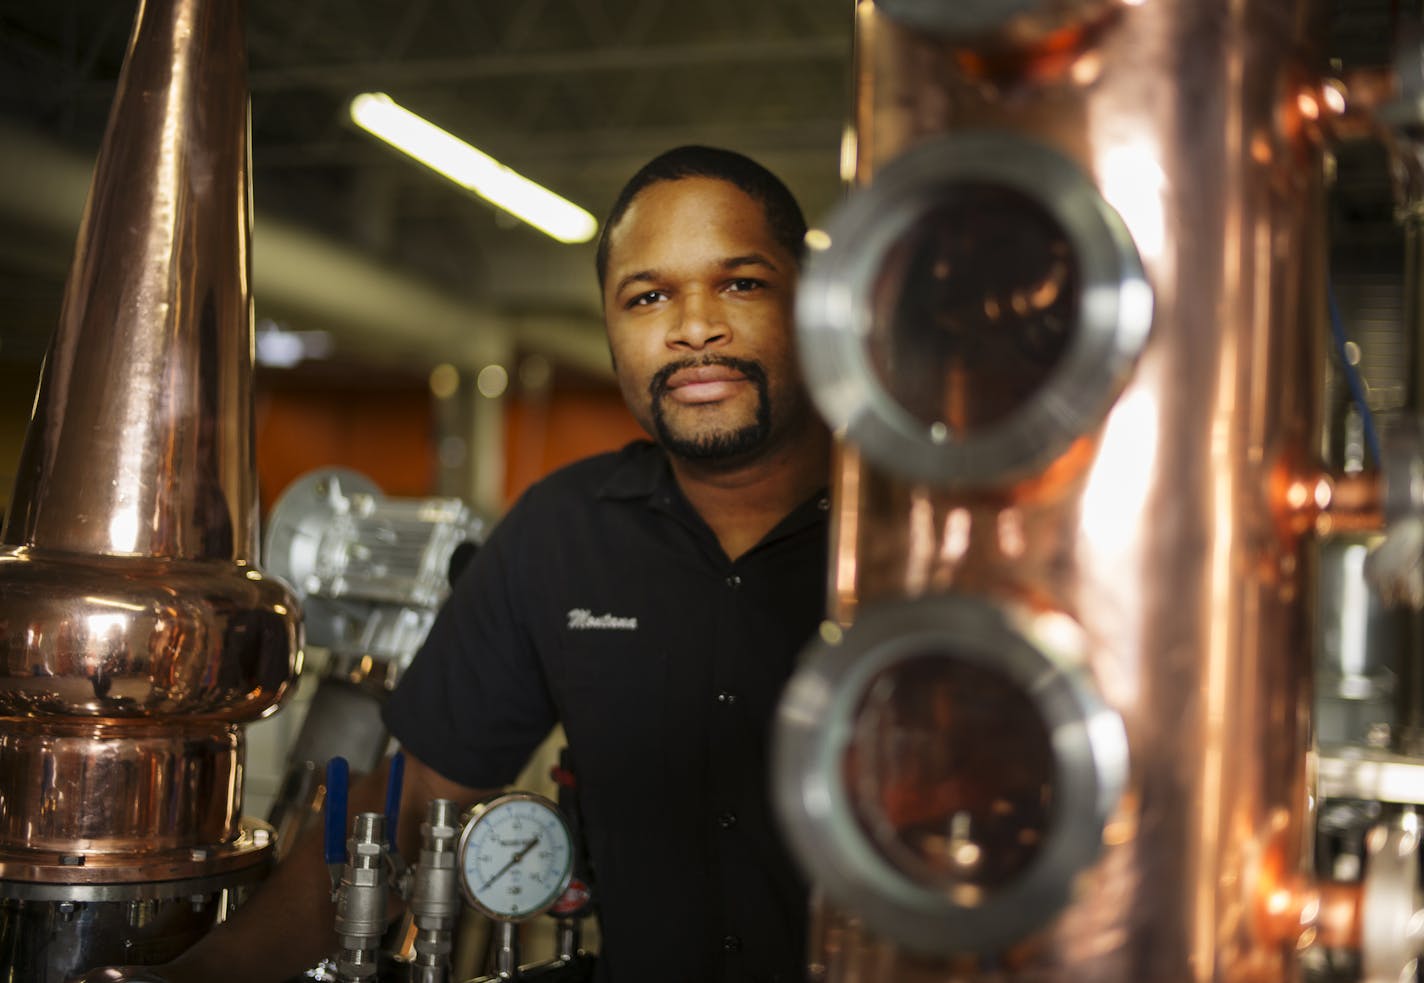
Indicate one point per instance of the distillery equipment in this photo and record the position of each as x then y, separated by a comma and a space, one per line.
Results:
371, 572
511, 858
1070, 329
137, 634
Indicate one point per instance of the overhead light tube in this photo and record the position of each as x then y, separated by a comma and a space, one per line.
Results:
448, 155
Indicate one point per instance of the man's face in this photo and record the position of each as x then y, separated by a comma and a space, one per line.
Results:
697, 300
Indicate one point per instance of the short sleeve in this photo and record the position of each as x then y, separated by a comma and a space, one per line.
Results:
474, 703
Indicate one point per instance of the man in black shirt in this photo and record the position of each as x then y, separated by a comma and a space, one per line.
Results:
652, 600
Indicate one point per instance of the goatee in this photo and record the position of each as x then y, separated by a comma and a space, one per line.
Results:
712, 445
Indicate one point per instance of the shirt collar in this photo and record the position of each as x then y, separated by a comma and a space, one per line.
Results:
643, 473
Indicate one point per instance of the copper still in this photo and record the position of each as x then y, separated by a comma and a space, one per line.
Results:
136, 634
1069, 330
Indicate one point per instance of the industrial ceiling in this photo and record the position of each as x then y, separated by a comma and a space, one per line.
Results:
354, 239
394, 263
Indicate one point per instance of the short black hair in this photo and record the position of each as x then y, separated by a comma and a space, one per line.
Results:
783, 214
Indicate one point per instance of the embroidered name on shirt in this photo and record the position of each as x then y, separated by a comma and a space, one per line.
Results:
583, 619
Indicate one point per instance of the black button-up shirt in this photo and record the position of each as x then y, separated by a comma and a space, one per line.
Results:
604, 601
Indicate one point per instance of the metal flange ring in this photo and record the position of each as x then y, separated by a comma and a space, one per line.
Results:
946, 770
896, 322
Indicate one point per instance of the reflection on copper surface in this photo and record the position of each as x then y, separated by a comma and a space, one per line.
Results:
1132, 181
1353, 102
1119, 482
135, 633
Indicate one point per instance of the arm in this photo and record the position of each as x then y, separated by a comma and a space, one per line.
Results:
286, 927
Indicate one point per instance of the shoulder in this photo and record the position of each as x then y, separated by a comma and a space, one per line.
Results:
565, 519
614, 474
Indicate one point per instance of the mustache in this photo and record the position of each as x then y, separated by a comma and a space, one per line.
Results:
658, 385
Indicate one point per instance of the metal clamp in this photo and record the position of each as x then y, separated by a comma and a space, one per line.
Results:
1392, 929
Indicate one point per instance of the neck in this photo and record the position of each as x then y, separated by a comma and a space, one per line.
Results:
743, 501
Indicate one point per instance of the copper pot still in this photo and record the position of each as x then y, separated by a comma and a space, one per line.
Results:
1069, 330
136, 633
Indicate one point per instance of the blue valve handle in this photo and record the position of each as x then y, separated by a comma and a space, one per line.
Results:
338, 777
393, 797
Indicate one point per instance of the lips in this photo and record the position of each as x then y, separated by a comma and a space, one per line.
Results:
704, 383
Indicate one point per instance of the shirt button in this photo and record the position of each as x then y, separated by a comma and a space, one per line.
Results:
726, 699
823, 503
734, 581
727, 820
731, 943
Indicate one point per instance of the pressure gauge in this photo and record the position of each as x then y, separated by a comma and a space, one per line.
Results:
515, 856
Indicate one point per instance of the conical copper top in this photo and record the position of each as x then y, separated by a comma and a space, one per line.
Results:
141, 442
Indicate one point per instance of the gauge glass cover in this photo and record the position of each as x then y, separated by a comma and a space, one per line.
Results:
515, 856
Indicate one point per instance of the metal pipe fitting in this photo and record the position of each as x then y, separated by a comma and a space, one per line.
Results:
361, 899
434, 899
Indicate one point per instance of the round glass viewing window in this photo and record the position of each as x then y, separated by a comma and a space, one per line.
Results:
973, 309
946, 768
972, 312
950, 773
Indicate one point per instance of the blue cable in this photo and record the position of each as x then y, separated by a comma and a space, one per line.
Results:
1352, 376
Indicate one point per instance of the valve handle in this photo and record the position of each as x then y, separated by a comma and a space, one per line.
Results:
338, 777
393, 797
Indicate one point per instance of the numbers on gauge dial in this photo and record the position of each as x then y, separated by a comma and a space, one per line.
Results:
516, 856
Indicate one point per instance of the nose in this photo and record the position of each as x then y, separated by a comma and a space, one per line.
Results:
698, 324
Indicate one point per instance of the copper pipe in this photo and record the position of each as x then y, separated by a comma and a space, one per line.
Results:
1320, 503
1308, 914
1338, 913
1295, 910
1352, 103
135, 632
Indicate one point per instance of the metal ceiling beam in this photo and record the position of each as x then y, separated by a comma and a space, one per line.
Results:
813, 142
366, 305
524, 64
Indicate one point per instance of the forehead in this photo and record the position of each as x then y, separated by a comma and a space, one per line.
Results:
674, 222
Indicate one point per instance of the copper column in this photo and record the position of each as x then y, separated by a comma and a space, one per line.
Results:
136, 634
1150, 544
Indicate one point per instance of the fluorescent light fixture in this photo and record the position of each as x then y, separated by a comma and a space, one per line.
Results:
447, 154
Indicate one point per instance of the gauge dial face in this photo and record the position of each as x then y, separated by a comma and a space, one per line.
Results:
515, 856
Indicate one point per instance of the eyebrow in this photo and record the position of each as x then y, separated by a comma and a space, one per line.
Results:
750, 259
728, 265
